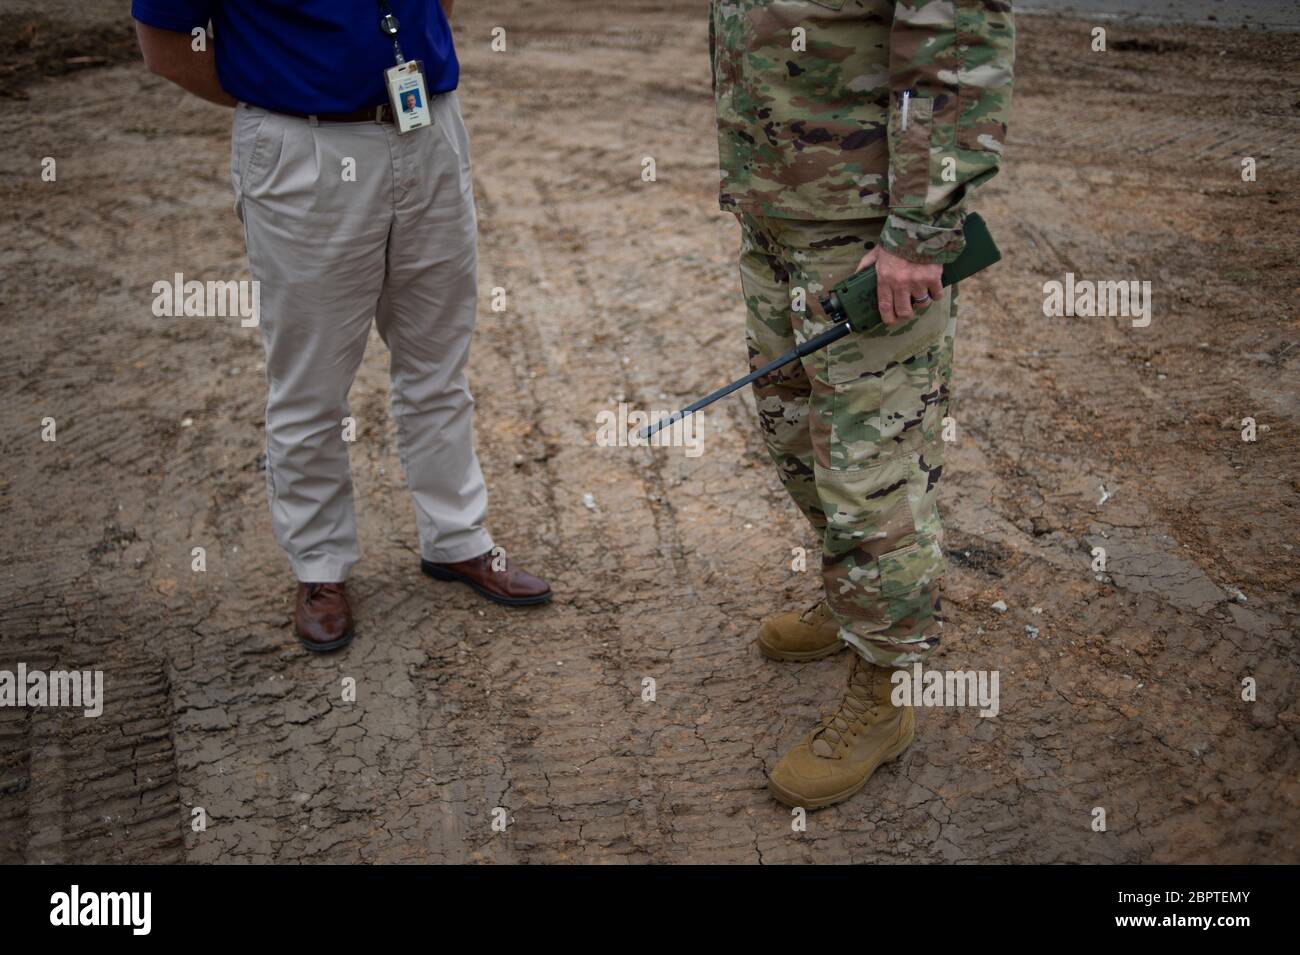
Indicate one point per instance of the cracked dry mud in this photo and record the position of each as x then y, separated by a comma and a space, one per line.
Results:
1120, 166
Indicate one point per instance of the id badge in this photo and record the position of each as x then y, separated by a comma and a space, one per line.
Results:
408, 96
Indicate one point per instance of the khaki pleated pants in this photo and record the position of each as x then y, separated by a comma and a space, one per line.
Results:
347, 223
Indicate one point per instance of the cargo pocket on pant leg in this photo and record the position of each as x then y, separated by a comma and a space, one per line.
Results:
846, 409
868, 516
909, 589
913, 401
880, 396
880, 566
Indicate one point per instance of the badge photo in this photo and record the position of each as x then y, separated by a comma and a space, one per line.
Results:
408, 96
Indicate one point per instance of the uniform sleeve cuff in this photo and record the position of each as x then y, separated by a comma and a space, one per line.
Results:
921, 242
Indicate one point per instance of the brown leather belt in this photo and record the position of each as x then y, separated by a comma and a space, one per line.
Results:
368, 114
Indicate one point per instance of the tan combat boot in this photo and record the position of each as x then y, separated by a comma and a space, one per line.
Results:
810, 635
835, 760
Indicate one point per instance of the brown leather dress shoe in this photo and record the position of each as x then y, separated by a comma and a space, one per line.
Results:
322, 617
506, 585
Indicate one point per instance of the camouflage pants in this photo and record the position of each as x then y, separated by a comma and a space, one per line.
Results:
855, 431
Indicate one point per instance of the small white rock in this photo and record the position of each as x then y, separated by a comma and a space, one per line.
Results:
999, 605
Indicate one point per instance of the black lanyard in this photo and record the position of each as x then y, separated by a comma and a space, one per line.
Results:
389, 26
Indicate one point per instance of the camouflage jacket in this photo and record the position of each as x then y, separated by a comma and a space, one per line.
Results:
859, 109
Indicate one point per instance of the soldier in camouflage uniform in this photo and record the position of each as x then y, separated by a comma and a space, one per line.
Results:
850, 132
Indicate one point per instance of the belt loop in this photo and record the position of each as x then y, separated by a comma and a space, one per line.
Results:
379, 113
311, 118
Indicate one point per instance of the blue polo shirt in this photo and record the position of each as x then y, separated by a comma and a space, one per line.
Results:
311, 56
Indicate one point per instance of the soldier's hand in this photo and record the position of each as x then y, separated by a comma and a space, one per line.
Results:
901, 284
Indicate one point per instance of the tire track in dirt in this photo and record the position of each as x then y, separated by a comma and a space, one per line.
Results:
582, 616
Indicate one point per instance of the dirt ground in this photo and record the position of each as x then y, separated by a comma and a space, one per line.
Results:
1120, 165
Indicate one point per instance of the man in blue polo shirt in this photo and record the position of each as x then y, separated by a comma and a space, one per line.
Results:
357, 207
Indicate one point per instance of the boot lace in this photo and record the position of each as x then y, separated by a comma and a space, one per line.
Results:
858, 706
